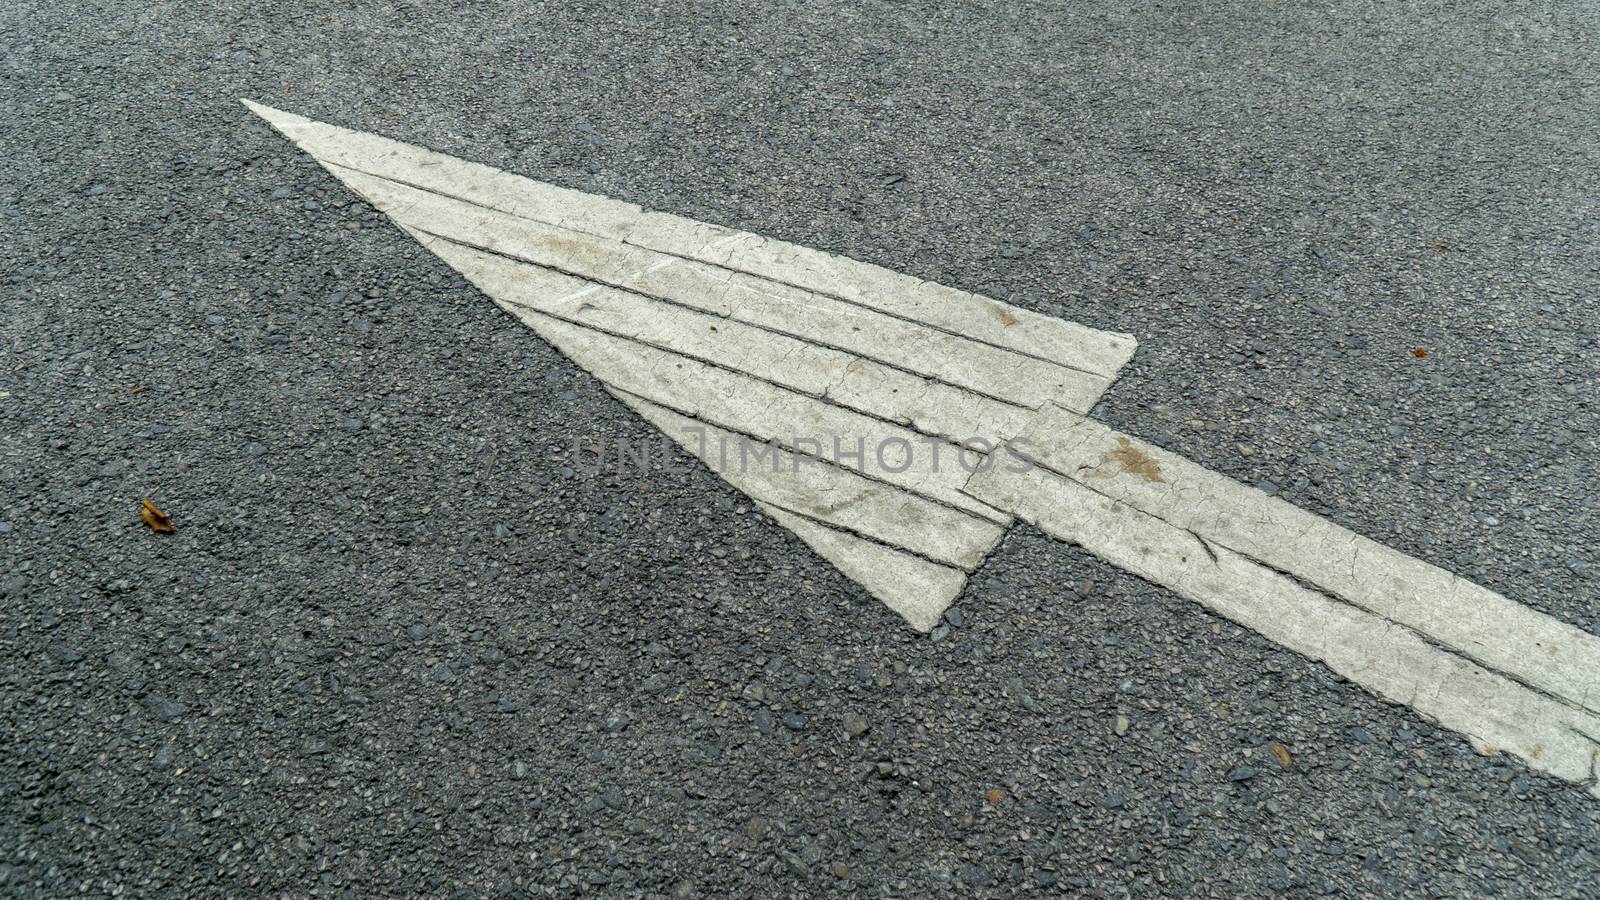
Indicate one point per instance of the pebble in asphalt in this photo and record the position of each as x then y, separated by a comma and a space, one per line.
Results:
341, 675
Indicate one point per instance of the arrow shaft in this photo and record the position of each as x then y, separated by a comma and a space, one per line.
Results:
1507, 676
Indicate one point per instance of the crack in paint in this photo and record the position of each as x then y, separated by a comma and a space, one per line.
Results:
726, 266
624, 288
1324, 592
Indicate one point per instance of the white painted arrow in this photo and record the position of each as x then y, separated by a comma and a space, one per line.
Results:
877, 399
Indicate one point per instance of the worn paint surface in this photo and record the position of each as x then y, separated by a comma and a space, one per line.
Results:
1127, 459
705, 330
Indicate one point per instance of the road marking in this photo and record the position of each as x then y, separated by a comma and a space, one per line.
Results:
1483, 626
1379, 628
778, 308
836, 495
912, 587
931, 407
723, 338
765, 412
900, 295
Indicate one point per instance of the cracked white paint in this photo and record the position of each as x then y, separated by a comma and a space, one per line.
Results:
716, 336
733, 401
776, 308
1389, 624
835, 495
847, 379
891, 292
1544, 653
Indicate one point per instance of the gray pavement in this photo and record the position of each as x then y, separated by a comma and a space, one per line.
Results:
403, 641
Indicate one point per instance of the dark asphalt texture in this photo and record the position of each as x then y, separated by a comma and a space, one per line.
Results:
403, 643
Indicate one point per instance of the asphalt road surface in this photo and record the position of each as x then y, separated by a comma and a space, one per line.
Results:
409, 639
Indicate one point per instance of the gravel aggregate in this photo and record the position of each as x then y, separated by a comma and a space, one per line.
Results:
409, 638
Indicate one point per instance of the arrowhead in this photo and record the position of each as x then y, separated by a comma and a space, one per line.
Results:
833, 392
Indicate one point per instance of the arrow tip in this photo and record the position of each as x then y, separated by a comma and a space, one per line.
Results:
276, 117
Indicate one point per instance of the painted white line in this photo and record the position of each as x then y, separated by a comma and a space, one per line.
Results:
931, 407
832, 494
956, 311
1393, 662
778, 308
890, 292
1404, 630
918, 590
718, 337
1536, 649
762, 410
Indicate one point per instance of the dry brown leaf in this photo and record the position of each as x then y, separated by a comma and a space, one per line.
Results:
1281, 754
1419, 353
994, 796
152, 515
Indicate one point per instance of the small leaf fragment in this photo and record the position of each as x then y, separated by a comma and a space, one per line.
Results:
1281, 754
994, 796
152, 516
1419, 353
